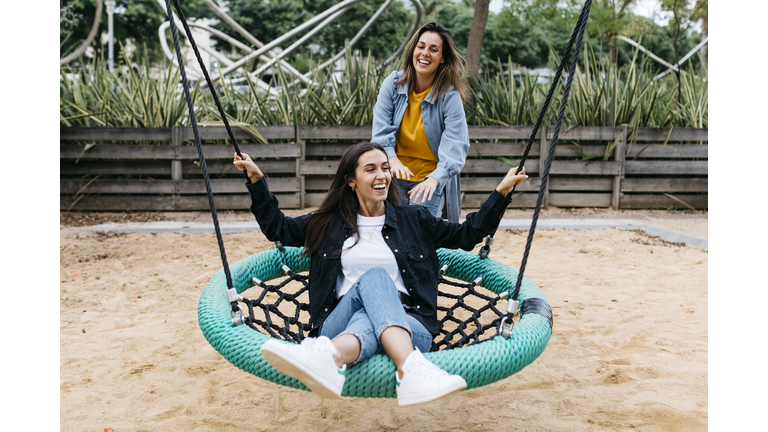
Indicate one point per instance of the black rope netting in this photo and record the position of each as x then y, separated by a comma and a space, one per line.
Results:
286, 323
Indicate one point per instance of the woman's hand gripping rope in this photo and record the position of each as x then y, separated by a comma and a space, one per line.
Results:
247, 164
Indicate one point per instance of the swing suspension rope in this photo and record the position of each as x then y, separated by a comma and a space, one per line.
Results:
577, 36
446, 341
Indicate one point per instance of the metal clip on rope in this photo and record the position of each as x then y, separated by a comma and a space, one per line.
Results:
443, 269
486, 248
508, 321
236, 312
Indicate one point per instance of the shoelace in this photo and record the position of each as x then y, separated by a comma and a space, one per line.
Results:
425, 368
312, 344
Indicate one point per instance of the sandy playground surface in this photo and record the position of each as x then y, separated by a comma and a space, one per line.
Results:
628, 351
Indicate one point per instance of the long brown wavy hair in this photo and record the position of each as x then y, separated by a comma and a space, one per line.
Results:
450, 73
341, 199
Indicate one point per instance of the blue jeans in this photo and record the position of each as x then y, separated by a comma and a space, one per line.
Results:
435, 205
370, 307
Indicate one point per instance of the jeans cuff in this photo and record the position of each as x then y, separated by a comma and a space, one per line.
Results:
389, 324
363, 338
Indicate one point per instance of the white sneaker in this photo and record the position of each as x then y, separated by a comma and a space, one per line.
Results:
311, 363
423, 381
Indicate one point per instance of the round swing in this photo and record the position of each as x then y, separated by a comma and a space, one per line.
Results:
478, 361
465, 346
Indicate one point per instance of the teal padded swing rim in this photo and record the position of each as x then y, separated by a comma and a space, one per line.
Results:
478, 364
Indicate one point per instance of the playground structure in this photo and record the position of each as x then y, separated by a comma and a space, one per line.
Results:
671, 67
268, 52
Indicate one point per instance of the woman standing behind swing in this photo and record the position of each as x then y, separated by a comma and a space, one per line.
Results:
419, 119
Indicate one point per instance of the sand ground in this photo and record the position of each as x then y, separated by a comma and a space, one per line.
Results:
629, 349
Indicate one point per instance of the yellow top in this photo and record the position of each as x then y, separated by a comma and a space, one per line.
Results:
412, 145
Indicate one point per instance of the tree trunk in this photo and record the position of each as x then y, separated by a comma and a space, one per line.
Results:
475, 42
613, 44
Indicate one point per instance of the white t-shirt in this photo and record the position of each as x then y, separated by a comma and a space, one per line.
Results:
371, 251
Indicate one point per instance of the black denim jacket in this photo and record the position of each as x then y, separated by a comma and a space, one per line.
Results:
411, 232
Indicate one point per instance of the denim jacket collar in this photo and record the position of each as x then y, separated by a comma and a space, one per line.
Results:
391, 218
403, 89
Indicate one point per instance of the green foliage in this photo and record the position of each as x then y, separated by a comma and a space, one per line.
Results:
603, 94
128, 97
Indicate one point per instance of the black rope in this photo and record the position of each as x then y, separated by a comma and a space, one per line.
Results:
208, 80
553, 145
193, 120
577, 36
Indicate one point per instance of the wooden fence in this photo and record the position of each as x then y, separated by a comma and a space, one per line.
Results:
593, 166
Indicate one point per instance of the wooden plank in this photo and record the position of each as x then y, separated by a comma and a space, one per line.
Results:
255, 151
319, 167
586, 133
115, 168
681, 134
326, 149
501, 132
302, 143
629, 201
362, 133
176, 142
119, 203
475, 200
585, 184
487, 184
619, 154
585, 168
566, 149
492, 166
669, 151
167, 152
317, 183
580, 199
69, 186
226, 167
230, 202
546, 149
114, 134
313, 199
666, 167
502, 149
220, 133
277, 184
665, 185
107, 151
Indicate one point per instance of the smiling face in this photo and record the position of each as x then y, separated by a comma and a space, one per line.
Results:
428, 54
372, 179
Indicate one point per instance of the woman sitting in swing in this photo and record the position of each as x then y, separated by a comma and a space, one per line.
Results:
373, 274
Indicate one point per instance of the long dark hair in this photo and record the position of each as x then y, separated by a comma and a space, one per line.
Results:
448, 74
341, 199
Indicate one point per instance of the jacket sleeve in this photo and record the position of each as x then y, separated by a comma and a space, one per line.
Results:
454, 141
275, 225
384, 130
468, 234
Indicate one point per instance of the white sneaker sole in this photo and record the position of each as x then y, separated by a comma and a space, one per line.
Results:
279, 359
402, 401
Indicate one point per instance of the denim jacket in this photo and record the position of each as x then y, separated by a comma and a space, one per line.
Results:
444, 124
411, 232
